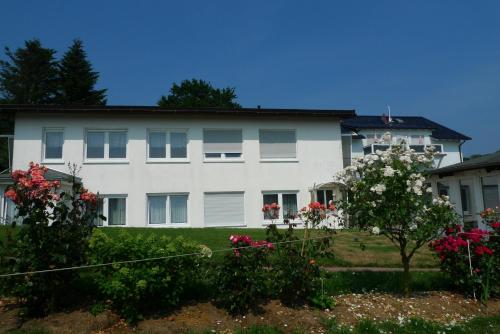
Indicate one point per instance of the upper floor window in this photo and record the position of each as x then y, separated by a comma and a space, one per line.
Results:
53, 144
167, 144
102, 144
222, 144
278, 144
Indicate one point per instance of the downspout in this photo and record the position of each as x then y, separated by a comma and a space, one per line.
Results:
460, 150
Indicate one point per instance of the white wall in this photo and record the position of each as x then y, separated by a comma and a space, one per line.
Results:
319, 156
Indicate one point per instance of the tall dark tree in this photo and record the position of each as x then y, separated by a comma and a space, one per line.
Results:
29, 76
77, 79
199, 93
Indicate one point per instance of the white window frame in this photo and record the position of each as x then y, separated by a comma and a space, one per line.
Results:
280, 219
168, 222
223, 157
106, 158
105, 209
296, 159
167, 158
44, 145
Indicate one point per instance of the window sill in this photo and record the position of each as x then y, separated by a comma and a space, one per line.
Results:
178, 225
281, 222
167, 161
224, 160
53, 161
105, 162
279, 160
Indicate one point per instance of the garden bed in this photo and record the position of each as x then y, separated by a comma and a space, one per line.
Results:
442, 307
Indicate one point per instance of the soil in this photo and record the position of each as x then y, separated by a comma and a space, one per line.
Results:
443, 307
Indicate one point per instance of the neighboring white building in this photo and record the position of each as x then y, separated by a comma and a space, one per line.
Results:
473, 186
201, 167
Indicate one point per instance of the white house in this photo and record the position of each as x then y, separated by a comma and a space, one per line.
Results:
199, 167
473, 186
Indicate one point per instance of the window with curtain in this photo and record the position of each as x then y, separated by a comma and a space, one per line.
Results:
286, 201
222, 143
10, 211
178, 209
178, 145
100, 211
277, 144
117, 211
490, 196
53, 144
157, 144
157, 209
95, 144
117, 144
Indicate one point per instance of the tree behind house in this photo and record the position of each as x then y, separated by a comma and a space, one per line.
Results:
77, 79
199, 94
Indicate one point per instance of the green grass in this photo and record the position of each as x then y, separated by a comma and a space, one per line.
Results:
378, 252
391, 282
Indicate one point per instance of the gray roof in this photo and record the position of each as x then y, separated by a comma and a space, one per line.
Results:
403, 122
488, 162
51, 175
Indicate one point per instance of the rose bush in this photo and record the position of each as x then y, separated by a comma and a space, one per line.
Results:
481, 274
242, 279
387, 194
55, 229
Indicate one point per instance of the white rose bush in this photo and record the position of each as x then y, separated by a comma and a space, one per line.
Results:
387, 194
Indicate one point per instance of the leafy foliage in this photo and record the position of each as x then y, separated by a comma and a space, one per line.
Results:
140, 287
199, 93
77, 79
242, 279
30, 74
56, 227
388, 195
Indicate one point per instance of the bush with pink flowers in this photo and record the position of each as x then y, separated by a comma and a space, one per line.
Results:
55, 230
471, 258
242, 279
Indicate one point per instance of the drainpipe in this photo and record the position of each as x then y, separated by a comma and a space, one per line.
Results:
460, 150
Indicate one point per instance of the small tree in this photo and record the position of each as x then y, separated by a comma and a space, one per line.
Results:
55, 232
387, 194
199, 93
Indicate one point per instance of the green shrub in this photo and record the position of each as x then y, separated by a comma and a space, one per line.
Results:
140, 287
55, 230
242, 278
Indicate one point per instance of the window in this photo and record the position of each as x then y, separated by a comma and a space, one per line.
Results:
167, 144
9, 211
443, 189
114, 208
167, 209
53, 144
222, 144
324, 196
490, 196
224, 209
286, 201
465, 197
278, 144
110, 145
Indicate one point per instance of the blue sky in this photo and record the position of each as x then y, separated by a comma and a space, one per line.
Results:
439, 59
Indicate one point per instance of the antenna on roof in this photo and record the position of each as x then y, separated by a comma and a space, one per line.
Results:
389, 111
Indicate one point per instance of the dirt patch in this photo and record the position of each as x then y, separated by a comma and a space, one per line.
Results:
437, 306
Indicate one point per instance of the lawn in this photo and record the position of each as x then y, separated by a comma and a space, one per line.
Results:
378, 250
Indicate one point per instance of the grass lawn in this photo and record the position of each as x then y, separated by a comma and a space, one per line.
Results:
378, 252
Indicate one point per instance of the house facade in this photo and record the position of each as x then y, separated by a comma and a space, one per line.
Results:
473, 186
201, 167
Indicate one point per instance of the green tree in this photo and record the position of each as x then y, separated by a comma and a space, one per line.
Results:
29, 76
77, 79
199, 93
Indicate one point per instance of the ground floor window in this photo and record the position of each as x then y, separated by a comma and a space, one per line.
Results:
324, 196
114, 209
490, 196
287, 202
9, 211
465, 198
167, 209
224, 209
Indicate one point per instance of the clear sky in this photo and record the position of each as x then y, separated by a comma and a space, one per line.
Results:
439, 59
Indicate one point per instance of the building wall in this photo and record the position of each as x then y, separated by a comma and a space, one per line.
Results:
474, 181
319, 156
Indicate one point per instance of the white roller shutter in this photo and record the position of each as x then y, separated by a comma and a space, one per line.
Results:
224, 209
222, 141
277, 144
